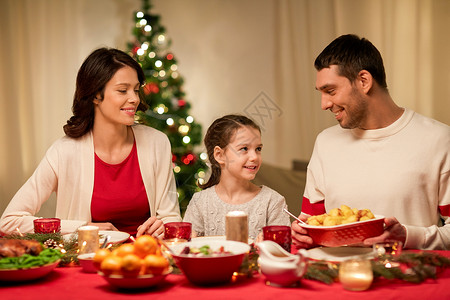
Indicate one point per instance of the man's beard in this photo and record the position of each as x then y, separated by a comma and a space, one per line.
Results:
356, 113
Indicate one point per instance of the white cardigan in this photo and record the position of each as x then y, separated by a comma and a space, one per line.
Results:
68, 170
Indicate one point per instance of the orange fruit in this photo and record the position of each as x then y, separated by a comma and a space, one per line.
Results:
155, 264
131, 265
124, 250
144, 245
99, 256
111, 265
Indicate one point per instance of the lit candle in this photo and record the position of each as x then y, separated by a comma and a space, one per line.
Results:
236, 226
88, 240
356, 275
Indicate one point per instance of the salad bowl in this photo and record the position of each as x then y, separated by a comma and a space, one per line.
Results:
212, 267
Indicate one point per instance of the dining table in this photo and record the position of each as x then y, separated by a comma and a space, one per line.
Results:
72, 282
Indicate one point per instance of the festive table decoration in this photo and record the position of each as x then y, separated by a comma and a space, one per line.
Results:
414, 267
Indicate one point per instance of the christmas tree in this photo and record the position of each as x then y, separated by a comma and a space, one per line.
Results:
168, 110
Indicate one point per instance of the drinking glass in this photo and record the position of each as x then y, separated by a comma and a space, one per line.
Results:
178, 230
279, 234
47, 225
387, 251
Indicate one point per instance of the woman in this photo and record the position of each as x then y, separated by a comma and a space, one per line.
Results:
107, 171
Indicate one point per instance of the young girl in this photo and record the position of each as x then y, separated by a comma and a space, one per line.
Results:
233, 144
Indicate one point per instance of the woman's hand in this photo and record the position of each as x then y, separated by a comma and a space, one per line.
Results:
393, 231
104, 226
152, 226
300, 237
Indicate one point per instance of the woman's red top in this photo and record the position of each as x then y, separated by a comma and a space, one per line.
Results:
119, 195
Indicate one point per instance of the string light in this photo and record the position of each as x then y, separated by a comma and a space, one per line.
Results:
144, 46
162, 73
143, 22
186, 139
170, 121
189, 119
183, 129
161, 38
174, 75
174, 67
140, 52
158, 63
148, 28
152, 54
203, 156
177, 169
139, 14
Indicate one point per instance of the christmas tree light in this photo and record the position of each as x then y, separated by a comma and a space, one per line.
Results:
168, 109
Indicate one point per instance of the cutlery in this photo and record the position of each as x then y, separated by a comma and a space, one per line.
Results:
105, 243
289, 213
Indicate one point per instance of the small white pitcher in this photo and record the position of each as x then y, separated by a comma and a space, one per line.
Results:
280, 267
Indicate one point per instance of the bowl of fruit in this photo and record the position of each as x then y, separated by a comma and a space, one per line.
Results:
133, 265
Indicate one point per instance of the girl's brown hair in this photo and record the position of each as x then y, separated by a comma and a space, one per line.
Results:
219, 134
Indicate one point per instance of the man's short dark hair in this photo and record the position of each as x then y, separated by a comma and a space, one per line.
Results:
353, 54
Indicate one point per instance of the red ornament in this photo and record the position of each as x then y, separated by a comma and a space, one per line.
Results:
170, 56
135, 49
181, 103
174, 158
188, 159
151, 88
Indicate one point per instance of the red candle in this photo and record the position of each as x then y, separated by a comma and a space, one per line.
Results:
47, 225
278, 234
178, 230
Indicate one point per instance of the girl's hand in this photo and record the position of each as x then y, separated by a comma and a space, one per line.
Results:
104, 226
300, 237
152, 226
259, 238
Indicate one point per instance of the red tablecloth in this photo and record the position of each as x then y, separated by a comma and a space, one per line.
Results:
73, 283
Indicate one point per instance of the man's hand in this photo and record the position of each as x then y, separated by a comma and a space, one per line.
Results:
300, 237
152, 226
393, 231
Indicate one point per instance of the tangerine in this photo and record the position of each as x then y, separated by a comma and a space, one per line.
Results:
111, 265
124, 250
99, 256
131, 265
144, 245
155, 264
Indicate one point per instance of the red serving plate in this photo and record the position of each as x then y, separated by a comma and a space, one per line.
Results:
346, 234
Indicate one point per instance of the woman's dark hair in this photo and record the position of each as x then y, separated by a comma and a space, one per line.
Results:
95, 72
219, 134
353, 54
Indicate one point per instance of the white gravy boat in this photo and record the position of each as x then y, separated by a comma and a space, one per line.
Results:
280, 267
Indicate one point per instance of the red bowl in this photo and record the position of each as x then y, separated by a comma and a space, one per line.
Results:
346, 234
210, 270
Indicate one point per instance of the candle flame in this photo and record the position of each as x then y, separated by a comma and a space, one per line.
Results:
132, 238
18, 230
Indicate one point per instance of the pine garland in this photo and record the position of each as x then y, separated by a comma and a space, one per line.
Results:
414, 267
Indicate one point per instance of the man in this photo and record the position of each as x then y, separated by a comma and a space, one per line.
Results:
383, 157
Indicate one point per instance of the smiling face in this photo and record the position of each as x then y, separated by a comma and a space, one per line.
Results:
121, 99
241, 158
343, 98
